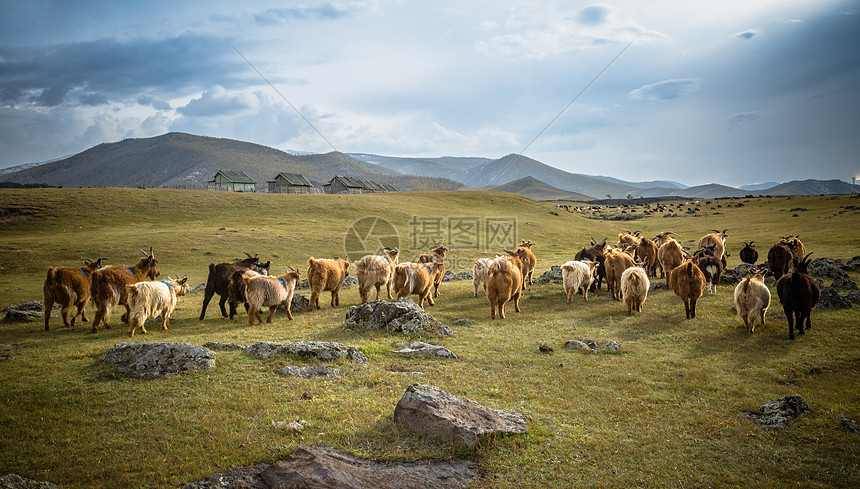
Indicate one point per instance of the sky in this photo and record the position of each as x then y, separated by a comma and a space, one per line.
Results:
732, 92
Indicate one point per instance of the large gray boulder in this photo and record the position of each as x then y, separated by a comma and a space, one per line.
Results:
553, 275
151, 360
778, 413
326, 468
15, 481
27, 311
321, 350
436, 412
309, 372
403, 316
830, 298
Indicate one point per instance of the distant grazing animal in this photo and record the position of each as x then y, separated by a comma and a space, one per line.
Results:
108, 286
595, 253
148, 300
376, 271
634, 288
670, 254
529, 259
505, 282
688, 283
436, 255
324, 274
748, 253
416, 278
752, 298
798, 294
616, 262
272, 292
710, 266
219, 281
779, 259
68, 286
578, 275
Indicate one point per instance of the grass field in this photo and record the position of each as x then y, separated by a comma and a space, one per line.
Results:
664, 412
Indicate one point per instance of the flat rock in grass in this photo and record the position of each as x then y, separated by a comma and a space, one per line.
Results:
825, 267
463, 322
299, 303
214, 345
854, 297
849, 424
403, 316
321, 350
591, 346
733, 276
778, 413
844, 282
553, 275
15, 481
449, 276
831, 298
853, 265
151, 360
327, 468
310, 372
28, 311
439, 413
240, 478
420, 348
657, 285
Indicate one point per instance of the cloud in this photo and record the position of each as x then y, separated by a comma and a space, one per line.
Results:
218, 102
747, 34
666, 90
736, 120
326, 11
51, 96
148, 100
594, 15
93, 99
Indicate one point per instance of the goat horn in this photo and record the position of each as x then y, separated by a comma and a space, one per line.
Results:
247, 254
144, 252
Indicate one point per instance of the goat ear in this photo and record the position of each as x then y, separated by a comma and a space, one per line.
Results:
183, 281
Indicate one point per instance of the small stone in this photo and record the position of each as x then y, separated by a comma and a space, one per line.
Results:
612, 347
778, 413
545, 349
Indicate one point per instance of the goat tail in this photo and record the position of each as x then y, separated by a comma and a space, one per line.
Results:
690, 270
50, 277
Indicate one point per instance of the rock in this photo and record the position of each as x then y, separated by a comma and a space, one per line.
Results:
612, 347
853, 265
449, 276
403, 316
844, 282
241, 478
349, 281
27, 311
831, 298
151, 360
299, 303
545, 349
463, 321
424, 349
321, 350
6, 358
214, 345
327, 468
854, 297
15, 481
435, 412
309, 372
733, 276
655, 285
579, 344
778, 413
293, 426
850, 424
553, 276
826, 267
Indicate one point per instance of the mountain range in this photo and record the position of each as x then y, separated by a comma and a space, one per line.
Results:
185, 160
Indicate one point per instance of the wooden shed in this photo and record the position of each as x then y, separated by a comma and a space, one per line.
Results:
232, 181
340, 184
291, 183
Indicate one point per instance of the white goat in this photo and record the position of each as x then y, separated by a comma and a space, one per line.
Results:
578, 275
634, 288
752, 298
272, 292
148, 300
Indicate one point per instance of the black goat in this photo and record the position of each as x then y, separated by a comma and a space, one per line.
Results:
595, 253
219, 280
798, 294
749, 254
710, 266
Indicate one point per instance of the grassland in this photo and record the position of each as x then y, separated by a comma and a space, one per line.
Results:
664, 412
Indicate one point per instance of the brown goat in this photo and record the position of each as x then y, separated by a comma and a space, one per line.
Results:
616, 262
717, 239
108, 287
628, 238
504, 282
647, 253
669, 254
326, 275
68, 286
272, 292
780, 259
798, 294
529, 259
437, 256
688, 283
416, 278
795, 245
376, 271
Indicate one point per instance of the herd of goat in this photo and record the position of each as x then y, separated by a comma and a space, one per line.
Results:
627, 269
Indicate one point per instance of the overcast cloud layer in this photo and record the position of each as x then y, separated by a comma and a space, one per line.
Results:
731, 92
